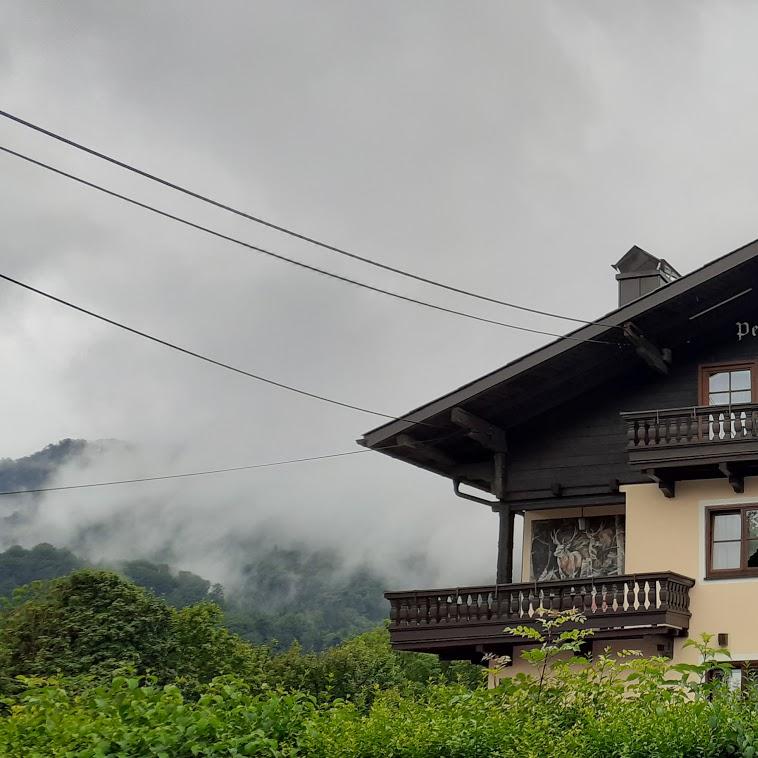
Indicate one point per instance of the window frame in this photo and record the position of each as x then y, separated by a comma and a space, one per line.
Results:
743, 571
707, 369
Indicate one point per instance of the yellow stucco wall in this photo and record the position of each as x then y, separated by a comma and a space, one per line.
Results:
668, 534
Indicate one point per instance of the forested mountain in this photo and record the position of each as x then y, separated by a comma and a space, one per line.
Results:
35, 470
282, 593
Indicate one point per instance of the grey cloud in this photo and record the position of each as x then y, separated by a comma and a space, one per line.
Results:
513, 148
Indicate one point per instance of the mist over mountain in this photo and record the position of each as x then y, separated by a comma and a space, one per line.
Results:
220, 526
187, 545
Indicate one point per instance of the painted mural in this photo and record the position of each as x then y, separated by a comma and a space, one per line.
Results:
563, 550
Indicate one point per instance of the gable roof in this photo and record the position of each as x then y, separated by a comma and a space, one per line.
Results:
568, 366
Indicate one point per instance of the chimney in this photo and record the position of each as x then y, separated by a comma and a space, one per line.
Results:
640, 273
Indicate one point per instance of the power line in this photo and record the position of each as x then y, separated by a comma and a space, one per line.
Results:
184, 475
219, 470
286, 230
285, 259
202, 357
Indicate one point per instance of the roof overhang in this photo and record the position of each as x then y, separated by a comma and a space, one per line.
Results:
551, 374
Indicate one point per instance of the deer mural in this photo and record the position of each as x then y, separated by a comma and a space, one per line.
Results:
569, 561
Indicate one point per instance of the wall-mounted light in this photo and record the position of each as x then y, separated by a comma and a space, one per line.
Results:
581, 521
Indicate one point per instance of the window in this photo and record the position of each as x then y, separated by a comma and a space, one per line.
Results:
732, 542
727, 384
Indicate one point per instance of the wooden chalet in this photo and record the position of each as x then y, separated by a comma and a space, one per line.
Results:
630, 448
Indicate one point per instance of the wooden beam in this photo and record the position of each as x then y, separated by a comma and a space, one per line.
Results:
735, 477
429, 453
505, 545
665, 484
657, 359
486, 434
499, 477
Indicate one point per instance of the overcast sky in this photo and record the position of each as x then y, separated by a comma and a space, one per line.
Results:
516, 149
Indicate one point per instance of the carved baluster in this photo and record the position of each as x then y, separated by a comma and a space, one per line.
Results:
613, 597
482, 609
651, 431
434, 609
674, 430
641, 593
444, 609
684, 430
652, 600
631, 596
413, 619
465, 607
632, 434
694, 428
473, 607
569, 598
393, 612
578, 599
589, 600
423, 610
490, 605
749, 424
403, 613
663, 594
514, 604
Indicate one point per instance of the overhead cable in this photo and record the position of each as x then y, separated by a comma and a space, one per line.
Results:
207, 472
200, 356
292, 261
287, 230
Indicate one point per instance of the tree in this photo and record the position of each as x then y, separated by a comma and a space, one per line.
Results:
87, 623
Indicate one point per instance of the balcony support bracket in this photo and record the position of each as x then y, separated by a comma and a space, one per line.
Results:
735, 477
488, 435
665, 483
427, 452
492, 439
657, 358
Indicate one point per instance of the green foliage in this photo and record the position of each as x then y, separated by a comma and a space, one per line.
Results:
359, 669
87, 623
130, 718
91, 623
19, 566
297, 595
178, 589
357, 700
286, 596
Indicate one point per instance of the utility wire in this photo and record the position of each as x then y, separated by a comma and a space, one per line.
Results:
183, 476
286, 230
217, 470
200, 356
283, 258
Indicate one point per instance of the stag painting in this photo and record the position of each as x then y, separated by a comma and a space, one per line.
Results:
561, 550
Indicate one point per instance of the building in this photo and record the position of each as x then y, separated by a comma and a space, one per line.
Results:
631, 449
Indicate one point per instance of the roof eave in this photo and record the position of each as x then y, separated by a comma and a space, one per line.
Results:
600, 327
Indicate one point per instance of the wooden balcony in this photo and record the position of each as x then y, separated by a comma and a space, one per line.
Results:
694, 443
466, 622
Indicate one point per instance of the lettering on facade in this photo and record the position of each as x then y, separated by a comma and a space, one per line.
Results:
746, 329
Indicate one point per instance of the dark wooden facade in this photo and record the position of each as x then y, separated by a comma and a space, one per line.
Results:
570, 424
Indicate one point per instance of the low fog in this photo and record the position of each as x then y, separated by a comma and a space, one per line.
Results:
516, 149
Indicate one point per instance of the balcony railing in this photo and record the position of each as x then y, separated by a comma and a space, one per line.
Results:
433, 620
692, 436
